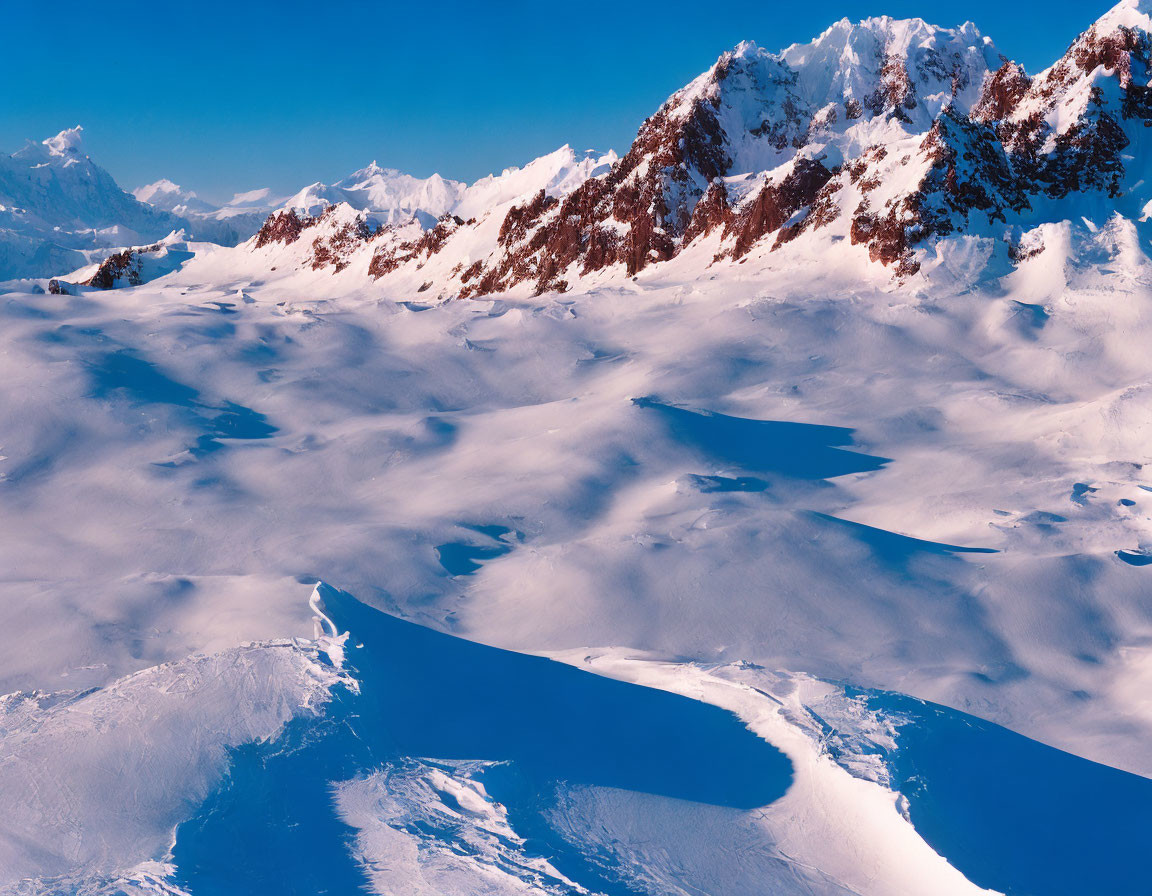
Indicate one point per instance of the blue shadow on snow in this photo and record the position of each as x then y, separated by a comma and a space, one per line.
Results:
799, 450
1015, 815
124, 375
893, 547
423, 694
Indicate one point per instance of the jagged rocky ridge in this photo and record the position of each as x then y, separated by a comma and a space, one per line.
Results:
889, 134
60, 211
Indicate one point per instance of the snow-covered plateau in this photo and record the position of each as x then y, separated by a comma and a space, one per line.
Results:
764, 511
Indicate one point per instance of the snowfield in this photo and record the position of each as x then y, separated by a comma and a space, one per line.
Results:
916, 494
603, 526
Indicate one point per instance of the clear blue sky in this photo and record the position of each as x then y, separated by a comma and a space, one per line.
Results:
225, 96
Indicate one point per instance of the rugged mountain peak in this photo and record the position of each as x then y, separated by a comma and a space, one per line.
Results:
68, 142
64, 149
57, 205
160, 188
1108, 61
284, 226
389, 195
884, 66
172, 197
1001, 92
339, 232
1069, 129
1135, 14
890, 134
760, 129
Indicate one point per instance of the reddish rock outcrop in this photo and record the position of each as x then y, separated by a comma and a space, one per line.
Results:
968, 171
119, 269
1001, 93
283, 227
521, 218
895, 94
776, 203
390, 257
335, 249
712, 211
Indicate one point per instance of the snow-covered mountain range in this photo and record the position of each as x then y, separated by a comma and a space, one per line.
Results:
764, 512
231, 223
885, 135
58, 209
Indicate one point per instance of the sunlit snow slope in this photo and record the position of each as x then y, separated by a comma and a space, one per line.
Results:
774, 573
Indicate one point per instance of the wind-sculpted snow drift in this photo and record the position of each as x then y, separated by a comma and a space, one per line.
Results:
766, 511
398, 759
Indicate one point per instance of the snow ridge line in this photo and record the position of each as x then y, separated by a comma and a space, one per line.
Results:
332, 643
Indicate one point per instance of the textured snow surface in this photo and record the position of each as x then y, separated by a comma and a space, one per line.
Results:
773, 575
94, 782
421, 763
917, 493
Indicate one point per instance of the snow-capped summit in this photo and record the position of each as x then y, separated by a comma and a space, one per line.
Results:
389, 195
160, 190
60, 211
172, 197
57, 206
67, 142
1127, 14
906, 65
228, 225
261, 198
557, 173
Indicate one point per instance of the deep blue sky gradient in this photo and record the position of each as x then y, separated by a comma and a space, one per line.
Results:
225, 96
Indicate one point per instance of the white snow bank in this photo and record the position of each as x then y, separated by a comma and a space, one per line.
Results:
95, 783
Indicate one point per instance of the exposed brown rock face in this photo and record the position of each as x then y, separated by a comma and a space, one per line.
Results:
863, 169
388, 258
712, 211
1001, 93
335, 250
889, 237
521, 217
383, 263
776, 203
662, 194
121, 266
968, 171
283, 227
1114, 51
992, 161
824, 210
895, 93
1087, 155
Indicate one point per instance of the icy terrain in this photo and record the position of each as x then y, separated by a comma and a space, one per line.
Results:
742, 565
